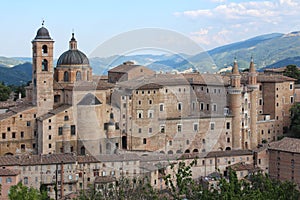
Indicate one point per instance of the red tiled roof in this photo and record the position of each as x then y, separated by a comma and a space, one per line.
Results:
125, 67
8, 172
243, 166
286, 144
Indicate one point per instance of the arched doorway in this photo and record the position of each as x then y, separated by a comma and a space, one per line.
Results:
227, 149
170, 152
187, 151
195, 151
124, 142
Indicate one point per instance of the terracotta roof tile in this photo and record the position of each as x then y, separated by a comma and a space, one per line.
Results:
8, 172
286, 144
124, 68
244, 166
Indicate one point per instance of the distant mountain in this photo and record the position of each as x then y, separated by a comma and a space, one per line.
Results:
269, 51
9, 62
17, 75
285, 62
266, 50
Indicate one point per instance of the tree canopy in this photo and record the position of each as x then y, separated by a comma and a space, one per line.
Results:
293, 72
22, 192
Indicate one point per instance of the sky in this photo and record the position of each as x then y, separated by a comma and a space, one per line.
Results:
210, 23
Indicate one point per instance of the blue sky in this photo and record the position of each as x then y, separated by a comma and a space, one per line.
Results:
210, 23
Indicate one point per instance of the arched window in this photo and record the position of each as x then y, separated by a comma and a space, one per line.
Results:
227, 149
45, 65
195, 151
66, 76
44, 49
170, 152
78, 76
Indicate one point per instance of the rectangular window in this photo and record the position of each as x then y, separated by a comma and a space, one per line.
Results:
193, 105
201, 106
150, 130
49, 127
291, 86
28, 123
3, 135
226, 111
8, 180
212, 126
25, 180
215, 107
150, 113
22, 134
195, 127
73, 130
179, 106
179, 128
207, 106
260, 102
140, 130
60, 130
124, 105
161, 107
228, 125
13, 135
292, 99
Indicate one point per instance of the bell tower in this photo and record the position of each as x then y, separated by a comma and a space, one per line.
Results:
42, 71
235, 92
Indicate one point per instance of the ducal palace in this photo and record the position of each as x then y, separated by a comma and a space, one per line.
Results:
68, 109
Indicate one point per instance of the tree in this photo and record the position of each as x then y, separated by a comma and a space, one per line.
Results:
295, 119
293, 72
4, 92
21, 192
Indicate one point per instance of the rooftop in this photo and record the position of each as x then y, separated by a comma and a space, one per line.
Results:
8, 172
125, 67
286, 144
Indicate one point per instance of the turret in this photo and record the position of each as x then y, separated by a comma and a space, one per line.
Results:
235, 105
252, 87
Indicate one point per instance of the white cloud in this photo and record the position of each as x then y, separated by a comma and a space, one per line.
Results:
194, 13
289, 2
201, 32
258, 9
231, 21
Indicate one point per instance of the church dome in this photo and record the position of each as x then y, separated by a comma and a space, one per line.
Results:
73, 57
42, 33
